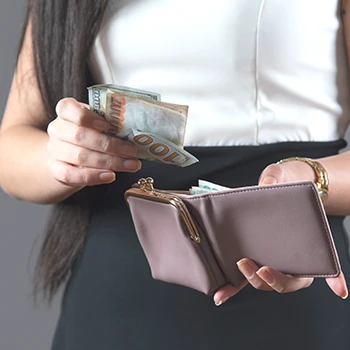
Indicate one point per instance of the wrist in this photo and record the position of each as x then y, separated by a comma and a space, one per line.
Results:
320, 176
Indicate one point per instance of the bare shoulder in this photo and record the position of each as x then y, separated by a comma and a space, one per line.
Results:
24, 105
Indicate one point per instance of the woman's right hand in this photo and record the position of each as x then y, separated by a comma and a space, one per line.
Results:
80, 153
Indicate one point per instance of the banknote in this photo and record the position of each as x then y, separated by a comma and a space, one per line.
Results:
211, 186
133, 112
124, 112
198, 190
206, 187
154, 147
97, 93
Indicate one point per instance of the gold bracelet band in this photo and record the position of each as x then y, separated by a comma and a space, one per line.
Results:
321, 173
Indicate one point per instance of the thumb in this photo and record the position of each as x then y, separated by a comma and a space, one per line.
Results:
267, 180
85, 105
338, 285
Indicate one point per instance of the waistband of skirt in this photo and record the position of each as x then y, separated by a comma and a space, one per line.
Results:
232, 166
307, 148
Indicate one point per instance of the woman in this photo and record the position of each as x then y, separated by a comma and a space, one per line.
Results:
264, 80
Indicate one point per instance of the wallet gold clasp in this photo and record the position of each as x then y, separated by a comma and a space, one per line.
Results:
147, 185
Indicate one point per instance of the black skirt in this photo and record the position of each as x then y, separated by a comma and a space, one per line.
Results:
111, 301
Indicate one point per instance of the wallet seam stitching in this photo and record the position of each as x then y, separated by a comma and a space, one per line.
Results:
281, 187
331, 246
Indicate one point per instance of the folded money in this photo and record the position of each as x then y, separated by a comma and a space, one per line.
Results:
156, 128
127, 112
206, 187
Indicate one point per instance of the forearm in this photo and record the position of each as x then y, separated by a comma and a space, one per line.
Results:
338, 168
24, 172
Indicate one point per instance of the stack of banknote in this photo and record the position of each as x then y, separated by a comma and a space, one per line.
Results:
206, 187
156, 128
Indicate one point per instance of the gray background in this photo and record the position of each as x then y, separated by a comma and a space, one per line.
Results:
22, 326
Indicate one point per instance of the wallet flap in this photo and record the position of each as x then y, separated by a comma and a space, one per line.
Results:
283, 226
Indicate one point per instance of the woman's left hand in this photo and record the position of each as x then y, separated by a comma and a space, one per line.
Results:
266, 278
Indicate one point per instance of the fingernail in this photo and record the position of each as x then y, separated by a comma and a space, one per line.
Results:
128, 150
220, 302
266, 276
346, 296
100, 125
132, 164
245, 268
269, 180
107, 177
59, 106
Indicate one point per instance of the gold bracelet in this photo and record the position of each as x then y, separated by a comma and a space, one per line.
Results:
321, 173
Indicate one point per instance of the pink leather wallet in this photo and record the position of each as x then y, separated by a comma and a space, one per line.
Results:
196, 240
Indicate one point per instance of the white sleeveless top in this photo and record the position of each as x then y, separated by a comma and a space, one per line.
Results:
251, 71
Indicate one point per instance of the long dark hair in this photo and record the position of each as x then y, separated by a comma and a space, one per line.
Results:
63, 32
